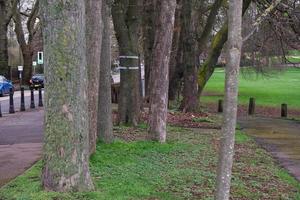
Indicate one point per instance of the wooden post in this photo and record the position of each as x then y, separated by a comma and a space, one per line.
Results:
220, 106
251, 109
283, 110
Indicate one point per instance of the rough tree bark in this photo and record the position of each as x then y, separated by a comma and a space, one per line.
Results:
3, 38
126, 18
94, 28
175, 69
164, 24
148, 39
190, 100
26, 46
231, 93
6, 8
194, 47
105, 132
66, 149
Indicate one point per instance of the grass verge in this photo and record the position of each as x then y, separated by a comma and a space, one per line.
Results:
183, 168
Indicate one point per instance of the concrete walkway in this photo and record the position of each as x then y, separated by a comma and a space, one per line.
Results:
278, 136
21, 137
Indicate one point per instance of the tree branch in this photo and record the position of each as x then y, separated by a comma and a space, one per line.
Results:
261, 18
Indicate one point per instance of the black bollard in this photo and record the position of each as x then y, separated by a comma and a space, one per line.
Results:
32, 105
11, 101
22, 100
283, 110
0, 110
40, 98
220, 106
251, 109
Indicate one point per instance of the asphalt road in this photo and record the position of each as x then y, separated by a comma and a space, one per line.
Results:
4, 101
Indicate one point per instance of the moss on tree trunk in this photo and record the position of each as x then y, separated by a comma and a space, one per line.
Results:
66, 152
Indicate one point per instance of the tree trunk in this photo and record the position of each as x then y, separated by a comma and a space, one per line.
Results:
26, 45
217, 44
174, 69
126, 22
3, 50
66, 148
3, 40
27, 62
164, 24
231, 93
94, 28
105, 132
148, 39
190, 100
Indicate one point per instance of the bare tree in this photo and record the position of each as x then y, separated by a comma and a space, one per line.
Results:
94, 28
66, 148
231, 93
159, 75
105, 132
26, 43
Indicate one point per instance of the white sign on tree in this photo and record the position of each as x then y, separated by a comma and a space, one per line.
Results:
20, 68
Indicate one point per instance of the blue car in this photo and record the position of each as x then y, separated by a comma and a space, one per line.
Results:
5, 85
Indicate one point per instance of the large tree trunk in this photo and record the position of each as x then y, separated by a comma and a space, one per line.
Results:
175, 73
94, 28
3, 39
190, 100
126, 22
105, 132
231, 93
164, 24
206, 70
66, 149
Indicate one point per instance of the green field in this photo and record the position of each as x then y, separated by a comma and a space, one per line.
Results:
271, 89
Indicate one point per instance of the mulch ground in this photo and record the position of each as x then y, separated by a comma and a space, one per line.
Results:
186, 120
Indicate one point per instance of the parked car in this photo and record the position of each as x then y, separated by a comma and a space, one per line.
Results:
37, 81
5, 86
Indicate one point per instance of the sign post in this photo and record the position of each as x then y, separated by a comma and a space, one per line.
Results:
40, 58
34, 64
20, 70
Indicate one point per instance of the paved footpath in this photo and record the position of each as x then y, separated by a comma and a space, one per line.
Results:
278, 136
21, 137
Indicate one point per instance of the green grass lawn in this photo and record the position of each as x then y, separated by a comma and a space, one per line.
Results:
272, 89
183, 168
